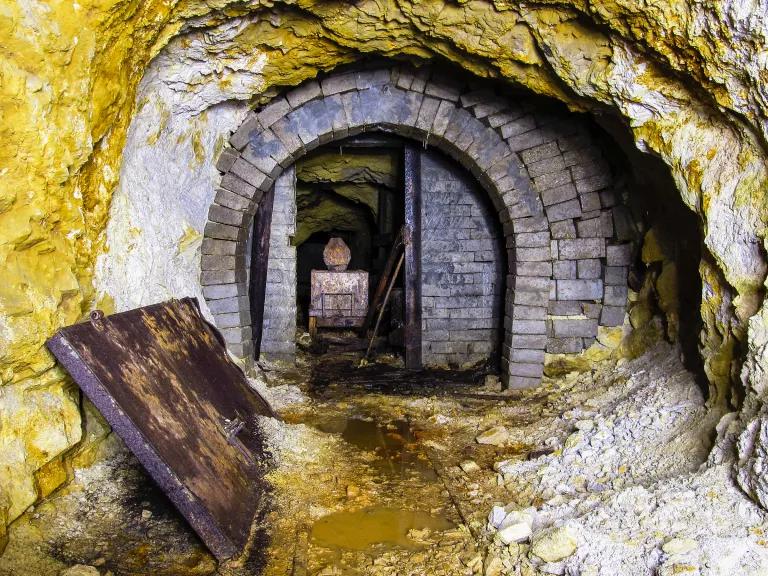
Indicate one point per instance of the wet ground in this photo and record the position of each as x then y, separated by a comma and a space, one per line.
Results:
379, 471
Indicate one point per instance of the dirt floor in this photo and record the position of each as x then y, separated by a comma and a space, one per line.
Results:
379, 471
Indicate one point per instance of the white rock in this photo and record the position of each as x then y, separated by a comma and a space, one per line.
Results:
679, 546
496, 436
516, 532
496, 516
554, 544
469, 466
585, 425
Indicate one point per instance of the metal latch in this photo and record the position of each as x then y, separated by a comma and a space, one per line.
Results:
230, 429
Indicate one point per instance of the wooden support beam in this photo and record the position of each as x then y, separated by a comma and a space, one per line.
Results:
262, 223
412, 189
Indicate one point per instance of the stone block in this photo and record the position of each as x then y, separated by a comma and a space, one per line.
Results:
593, 183
553, 180
538, 153
307, 91
442, 90
558, 194
624, 224
273, 111
370, 78
533, 269
529, 313
235, 184
563, 210
231, 304
564, 308
528, 326
517, 126
563, 230
485, 109
226, 215
509, 114
607, 198
615, 295
338, 83
564, 269
217, 262
587, 169
229, 290
541, 254
568, 327
221, 247
612, 316
616, 275
442, 118
532, 239
226, 159
592, 228
529, 139
232, 319
513, 382
590, 202
545, 167
222, 231
210, 277
530, 224
590, 268
581, 248
579, 289
404, 78
531, 298
619, 255
242, 135
527, 356
564, 345
529, 341
251, 174
231, 200
591, 309
528, 370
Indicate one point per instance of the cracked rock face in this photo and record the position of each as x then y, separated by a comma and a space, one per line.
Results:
80, 187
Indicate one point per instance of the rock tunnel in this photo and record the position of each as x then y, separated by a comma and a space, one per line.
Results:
569, 369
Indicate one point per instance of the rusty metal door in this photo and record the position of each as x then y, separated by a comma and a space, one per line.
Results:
161, 376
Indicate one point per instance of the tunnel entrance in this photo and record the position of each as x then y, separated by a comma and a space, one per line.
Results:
441, 307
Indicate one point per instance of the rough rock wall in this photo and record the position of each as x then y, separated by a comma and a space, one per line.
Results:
687, 77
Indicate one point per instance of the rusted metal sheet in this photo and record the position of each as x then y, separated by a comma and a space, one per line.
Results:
339, 299
161, 377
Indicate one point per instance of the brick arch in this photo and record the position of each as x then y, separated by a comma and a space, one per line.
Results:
540, 171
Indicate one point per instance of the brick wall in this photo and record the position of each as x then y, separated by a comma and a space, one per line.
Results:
462, 260
279, 337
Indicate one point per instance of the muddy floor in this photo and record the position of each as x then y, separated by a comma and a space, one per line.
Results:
380, 471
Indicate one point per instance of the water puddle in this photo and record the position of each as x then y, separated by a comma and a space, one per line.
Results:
395, 445
390, 527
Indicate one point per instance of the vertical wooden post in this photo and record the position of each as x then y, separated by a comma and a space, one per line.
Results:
262, 223
412, 189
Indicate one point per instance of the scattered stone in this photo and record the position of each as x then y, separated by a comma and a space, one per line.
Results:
679, 546
496, 516
80, 570
585, 425
146, 514
554, 544
496, 436
469, 467
517, 532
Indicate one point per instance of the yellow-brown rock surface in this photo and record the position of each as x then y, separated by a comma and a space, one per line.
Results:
686, 76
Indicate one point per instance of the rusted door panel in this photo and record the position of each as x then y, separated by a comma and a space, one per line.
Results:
161, 377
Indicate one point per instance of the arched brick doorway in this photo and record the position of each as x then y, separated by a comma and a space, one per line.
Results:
550, 186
